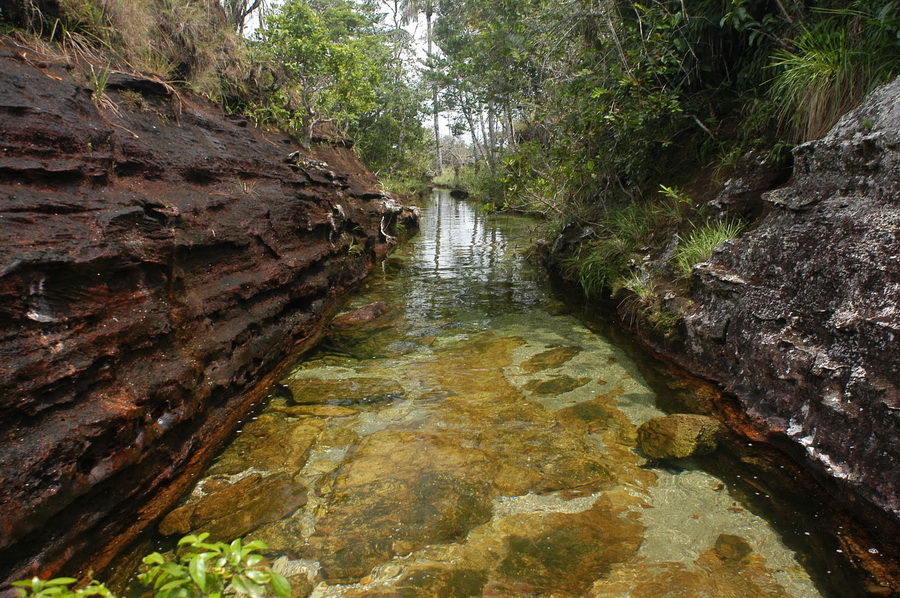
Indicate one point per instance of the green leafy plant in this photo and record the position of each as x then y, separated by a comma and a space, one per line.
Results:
701, 242
212, 569
355, 248
677, 205
59, 588
198, 569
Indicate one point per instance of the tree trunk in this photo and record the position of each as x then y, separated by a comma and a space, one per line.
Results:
488, 150
467, 113
492, 130
434, 97
510, 129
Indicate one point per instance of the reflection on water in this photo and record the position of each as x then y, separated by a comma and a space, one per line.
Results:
477, 440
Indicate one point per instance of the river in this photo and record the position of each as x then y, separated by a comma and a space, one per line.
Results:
480, 439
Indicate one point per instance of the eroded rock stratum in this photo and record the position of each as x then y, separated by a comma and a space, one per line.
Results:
156, 261
800, 316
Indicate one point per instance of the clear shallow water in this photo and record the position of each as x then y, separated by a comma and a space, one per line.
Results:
477, 439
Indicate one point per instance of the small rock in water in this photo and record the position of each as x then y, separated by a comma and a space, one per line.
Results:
679, 436
363, 315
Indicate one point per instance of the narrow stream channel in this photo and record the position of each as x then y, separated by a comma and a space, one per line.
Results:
478, 439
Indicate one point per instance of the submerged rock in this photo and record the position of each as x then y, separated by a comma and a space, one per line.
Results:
363, 315
343, 393
237, 509
549, 359
274, 442
400, 492
730, 568
679, 436
560, 554
556, 385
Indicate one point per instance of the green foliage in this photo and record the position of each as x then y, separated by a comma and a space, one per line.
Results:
676, 206
532, 183
834, 63
645, 303
59, 588
198, 569
355, 248
482, 184
406, 187
333, 60
318, 59
702, 240
212, 569
605, 263
598, 265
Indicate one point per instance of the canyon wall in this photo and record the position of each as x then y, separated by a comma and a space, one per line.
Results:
799, 317
157, 261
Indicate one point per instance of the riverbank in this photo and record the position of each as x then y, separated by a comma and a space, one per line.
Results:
158, 259
795, 316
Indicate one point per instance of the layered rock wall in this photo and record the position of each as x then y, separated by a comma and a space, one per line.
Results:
156, 261
799, 317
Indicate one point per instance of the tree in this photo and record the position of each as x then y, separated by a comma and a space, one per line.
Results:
239, 10
320, 60
411, 9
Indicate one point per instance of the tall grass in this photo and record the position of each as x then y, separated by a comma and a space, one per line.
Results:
180, 40
834, 64
645, 304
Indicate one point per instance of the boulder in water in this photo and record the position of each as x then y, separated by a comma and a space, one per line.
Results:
679, 436
363, 315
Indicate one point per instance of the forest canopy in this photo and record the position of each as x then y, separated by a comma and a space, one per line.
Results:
552, 105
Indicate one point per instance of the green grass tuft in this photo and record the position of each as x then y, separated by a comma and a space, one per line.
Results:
606, 262
833, 65
701, 242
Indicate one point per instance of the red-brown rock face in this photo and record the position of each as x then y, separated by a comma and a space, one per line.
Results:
157, 260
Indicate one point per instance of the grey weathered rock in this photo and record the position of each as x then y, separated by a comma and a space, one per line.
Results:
800, 316
679, 436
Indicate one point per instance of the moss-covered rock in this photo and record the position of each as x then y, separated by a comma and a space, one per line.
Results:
679, 436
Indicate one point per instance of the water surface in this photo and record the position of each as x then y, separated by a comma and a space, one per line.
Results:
477, 439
